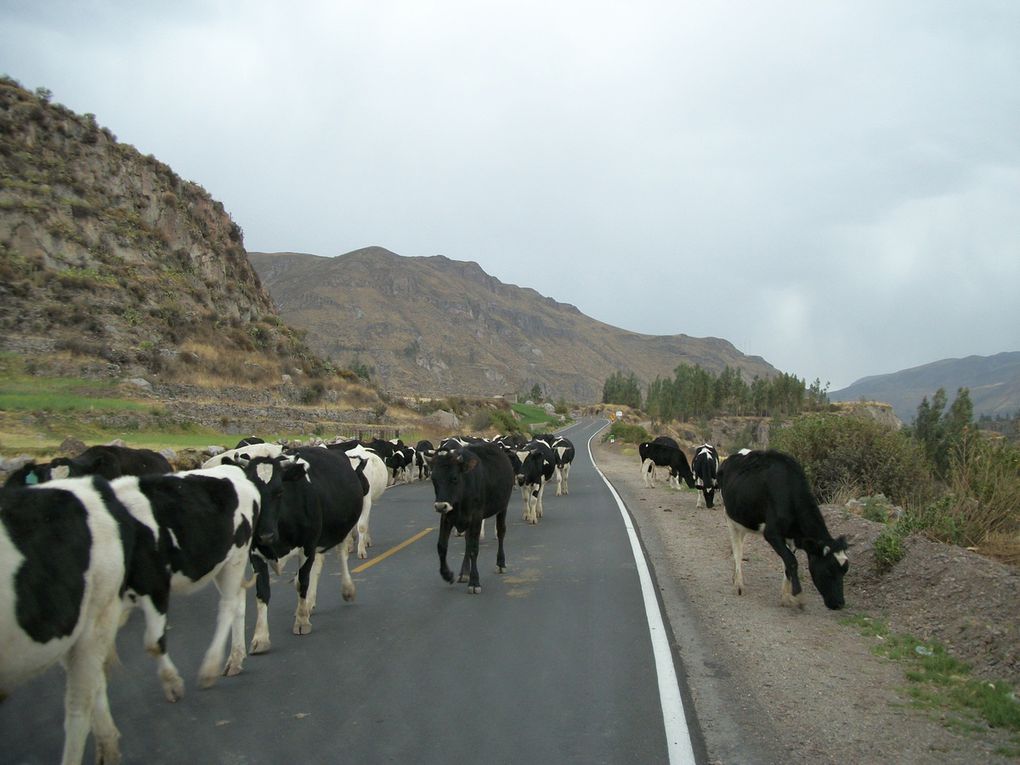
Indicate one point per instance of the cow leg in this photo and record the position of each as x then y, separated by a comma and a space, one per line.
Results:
500, 533
737, 534
347, 590
228, 582
525, 497
86, 683
538, 504
471, 558
565, 473
303, 614
648, 473
791, 582
559, 482
364, 540
445, 526
260, 639
233, 581
154, 608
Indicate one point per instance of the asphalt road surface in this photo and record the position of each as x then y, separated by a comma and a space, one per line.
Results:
556, 661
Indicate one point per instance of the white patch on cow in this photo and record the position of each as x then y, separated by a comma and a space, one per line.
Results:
60, 472
744, 451
173, 538
841, 557
126, 489
265, 472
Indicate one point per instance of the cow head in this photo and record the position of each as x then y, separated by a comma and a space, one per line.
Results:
29, 474
828, 564
450, 470
269, 475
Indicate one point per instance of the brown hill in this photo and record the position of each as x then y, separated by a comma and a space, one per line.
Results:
435, 326
111, 264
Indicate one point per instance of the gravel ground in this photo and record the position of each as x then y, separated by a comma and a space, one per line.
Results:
771, 685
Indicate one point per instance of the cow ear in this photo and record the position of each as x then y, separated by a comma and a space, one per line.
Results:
813, 547
470, 463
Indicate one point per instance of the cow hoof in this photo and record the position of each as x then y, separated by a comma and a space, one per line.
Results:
500, 569
475, 590
302, 629
258, 646
173, 688
447, 576
461, 579
207, 679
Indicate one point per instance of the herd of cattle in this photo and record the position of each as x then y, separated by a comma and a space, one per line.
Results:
85, 540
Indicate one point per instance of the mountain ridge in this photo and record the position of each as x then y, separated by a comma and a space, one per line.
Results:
993, 383
438, 326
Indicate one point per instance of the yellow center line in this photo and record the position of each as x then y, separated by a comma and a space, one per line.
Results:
393, 550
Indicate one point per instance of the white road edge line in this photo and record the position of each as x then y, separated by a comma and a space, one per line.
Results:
678, 737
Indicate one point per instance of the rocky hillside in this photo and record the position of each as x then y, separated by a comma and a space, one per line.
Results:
435, 326
993, 382
111, 264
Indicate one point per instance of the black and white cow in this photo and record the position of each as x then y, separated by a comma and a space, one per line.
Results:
424, 451
471, 483
377, 475
243, 454
767, 493
64, 551
664, 452
400, 463
563, 450
705, 467
192, 528
537, 467
315, 516
108, 461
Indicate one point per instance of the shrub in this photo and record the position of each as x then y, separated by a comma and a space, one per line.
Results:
889, 548
623, 431
836, 451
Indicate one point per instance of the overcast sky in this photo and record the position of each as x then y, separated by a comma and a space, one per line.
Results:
834, 186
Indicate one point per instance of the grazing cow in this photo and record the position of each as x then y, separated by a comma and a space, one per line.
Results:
314, 516
64, 549
376, 474
424, 451
667, 455
194, 527
767, 493
705, 467
471, 483
563, 450
537, 467
108, 461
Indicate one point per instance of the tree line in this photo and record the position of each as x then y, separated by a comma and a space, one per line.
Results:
695, 393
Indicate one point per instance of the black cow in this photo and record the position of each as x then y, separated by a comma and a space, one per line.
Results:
64, 551
248, 441
315, 516
471, 483
664, 452
705, 467
766, 492
107, 461
537, 467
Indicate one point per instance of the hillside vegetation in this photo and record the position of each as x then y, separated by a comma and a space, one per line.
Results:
112, 267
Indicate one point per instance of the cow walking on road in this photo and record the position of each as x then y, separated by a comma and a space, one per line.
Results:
471, 484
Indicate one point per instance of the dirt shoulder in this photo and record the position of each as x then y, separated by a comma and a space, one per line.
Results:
771, 685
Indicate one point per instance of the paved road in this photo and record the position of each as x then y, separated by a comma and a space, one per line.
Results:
552, 663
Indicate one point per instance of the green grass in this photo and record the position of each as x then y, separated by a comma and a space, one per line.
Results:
532, 415
943, 685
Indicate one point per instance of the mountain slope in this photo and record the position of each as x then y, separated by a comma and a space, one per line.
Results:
435, 326
112, 264
993, 381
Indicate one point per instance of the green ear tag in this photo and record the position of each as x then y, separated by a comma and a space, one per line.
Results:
31, 479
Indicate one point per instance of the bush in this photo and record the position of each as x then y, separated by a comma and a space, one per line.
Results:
889, 548
634, 434
838, 451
